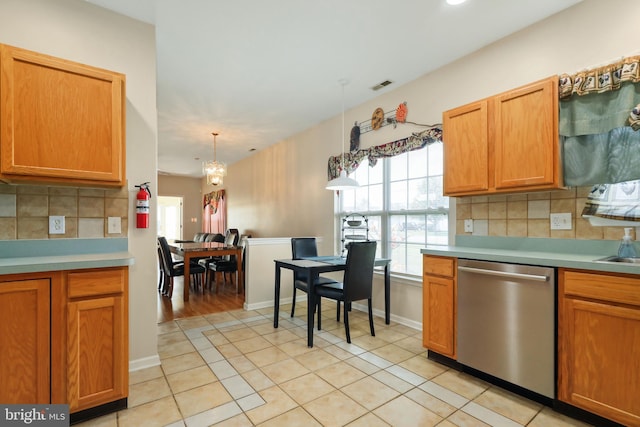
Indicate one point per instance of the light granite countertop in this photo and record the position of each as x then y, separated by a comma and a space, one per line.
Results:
30, 256
567, 253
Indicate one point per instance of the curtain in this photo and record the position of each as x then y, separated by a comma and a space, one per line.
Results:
619, 202
214, 217
598, 121
353, 159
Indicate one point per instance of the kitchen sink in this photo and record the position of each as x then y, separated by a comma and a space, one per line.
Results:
616, 259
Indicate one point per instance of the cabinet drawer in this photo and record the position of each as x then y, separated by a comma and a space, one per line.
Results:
439, 266
605, 287
89, 283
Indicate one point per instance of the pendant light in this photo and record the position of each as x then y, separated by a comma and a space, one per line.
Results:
214, 170
342, 182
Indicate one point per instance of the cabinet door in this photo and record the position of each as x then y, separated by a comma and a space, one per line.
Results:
60, 121
24, 341
466, 149
439, 315
526, 137
97, 352
599, 367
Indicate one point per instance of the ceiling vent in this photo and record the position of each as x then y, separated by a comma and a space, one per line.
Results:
381, 85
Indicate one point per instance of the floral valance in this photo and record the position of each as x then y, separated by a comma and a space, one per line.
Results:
213, 199
353, 159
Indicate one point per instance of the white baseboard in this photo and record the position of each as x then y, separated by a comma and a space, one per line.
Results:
361, 307
397, 319
145, 362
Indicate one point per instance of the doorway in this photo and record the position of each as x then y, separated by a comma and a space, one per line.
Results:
170, 217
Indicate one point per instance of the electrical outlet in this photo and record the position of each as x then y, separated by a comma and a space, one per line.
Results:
114, 225
56, 224
560, 221
468, 226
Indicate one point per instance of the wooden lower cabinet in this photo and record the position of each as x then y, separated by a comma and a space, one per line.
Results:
97, 337
64, 337
599, 344
439, 305
24, 338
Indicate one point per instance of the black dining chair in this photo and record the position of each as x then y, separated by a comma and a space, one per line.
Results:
214, 237
302, 247
228, 264
230, 239
357, 284
173, 269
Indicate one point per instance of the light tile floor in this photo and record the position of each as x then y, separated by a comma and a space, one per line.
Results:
235, 369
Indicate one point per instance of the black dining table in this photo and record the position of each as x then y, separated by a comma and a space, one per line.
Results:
312, 267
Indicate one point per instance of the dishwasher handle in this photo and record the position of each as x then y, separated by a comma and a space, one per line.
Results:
534, 277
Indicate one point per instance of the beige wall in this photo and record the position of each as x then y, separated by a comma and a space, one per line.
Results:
79, 31
280, 192
189, 190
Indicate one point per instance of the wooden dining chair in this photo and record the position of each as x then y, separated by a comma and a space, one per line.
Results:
302, 247
357, 284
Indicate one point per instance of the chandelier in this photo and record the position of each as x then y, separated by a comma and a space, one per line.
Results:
214, 170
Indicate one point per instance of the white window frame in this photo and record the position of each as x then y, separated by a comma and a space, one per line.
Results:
384, 250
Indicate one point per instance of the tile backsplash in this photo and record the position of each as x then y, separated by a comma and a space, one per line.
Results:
25, 211
527, 215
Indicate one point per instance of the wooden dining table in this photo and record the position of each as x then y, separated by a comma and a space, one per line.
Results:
311, 267
190, 250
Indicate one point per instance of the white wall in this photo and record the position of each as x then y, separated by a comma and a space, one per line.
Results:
79, 31
279, 191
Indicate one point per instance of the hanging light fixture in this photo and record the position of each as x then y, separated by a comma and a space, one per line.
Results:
342, 182
214, 170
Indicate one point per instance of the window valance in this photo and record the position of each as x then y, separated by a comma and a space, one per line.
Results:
598, 121
213, 199
602, 79
353, 159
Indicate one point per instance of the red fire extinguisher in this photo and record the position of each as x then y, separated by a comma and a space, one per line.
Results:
142, 205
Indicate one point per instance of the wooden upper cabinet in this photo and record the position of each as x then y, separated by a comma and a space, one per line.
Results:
526, 137
505, 143
60, 121
466, 148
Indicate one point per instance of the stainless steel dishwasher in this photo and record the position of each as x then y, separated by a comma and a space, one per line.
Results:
506, 322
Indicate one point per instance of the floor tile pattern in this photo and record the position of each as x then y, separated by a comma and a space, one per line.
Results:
235, 369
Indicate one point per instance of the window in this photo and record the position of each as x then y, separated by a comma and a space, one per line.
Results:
402, 197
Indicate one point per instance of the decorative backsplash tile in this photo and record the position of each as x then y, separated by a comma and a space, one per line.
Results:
25, 211
527, 215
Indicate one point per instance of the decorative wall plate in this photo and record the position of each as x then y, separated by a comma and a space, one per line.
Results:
377, 118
